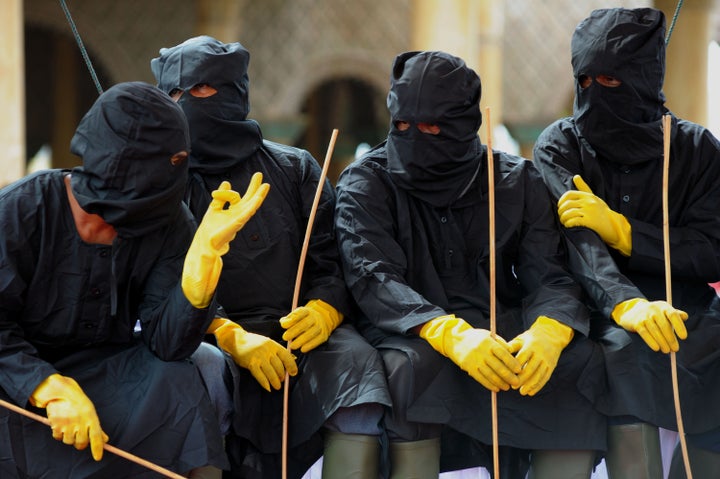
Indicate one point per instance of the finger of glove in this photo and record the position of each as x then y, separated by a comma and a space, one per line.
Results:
503, 355
572, 218
288, 361
82, 439
478, 376
488, 378
254, 185
277, 374
257, 371
653, 325
310, 345
221, 197
568, 201
499, 372
665, 330
245, 210
294, 317
270, 372
305, 324
647, 336
98, 439
581, 185
536, 381
307, 337
677, 320
256, 189
530, 368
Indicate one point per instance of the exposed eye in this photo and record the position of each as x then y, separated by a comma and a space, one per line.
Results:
584, 81
608, 81
175, 94
178, 158
429, 128
202, 90
402, 125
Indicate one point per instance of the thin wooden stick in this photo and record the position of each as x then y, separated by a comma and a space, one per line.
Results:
493, 303
107, 447
667, 125
296, 293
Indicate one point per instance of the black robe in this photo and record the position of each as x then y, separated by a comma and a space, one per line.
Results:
55, 317
256, 290
638, 379
407, 262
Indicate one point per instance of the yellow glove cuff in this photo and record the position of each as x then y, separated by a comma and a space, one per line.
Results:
563, 332
436, 330
332, 315
623, 232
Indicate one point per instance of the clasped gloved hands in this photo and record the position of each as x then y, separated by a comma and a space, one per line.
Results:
582, 208
72, 415
310, 326
657, 322
487, 359
538, 351
267, 360
203, 262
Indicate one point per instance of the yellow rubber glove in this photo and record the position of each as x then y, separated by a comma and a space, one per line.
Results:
71, 414
538, 351
310, 326
582, 208
266, 359
656, 322
488, 360
203, 262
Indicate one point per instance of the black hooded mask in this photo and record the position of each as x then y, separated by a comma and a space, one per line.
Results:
126, 141
435, 88
220, 133
622, 124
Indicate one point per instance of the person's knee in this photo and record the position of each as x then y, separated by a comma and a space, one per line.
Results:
210, 363
362, 419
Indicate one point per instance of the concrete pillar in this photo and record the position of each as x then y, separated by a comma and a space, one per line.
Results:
12, 92
472, 30
686, 63
219, 19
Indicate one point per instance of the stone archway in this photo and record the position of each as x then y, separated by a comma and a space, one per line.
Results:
352, 106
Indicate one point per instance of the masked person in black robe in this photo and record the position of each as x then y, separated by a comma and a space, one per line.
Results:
605, 166
337, 378
412, 225
87, 253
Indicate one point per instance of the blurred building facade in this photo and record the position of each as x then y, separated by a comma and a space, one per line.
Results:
315, 64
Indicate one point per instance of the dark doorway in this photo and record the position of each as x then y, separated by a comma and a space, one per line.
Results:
352, 106
58, 92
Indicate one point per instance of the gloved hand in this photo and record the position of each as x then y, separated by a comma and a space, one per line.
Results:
582, 208
71, 414
488, 360
538, 350
218, 227
266, 359
309, 326
656, 322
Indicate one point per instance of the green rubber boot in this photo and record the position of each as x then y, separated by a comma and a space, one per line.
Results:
549, 464
704, 464
350, 456
415, 459
634, 452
